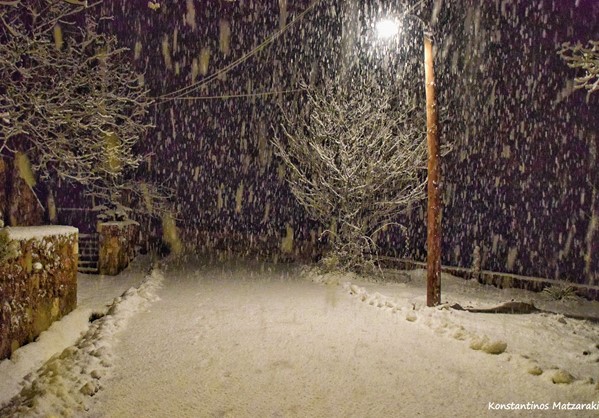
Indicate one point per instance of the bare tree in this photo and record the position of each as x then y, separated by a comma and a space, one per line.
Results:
356, 158
585, 58
68, 97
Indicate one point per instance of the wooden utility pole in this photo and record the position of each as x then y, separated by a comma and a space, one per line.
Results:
433, 239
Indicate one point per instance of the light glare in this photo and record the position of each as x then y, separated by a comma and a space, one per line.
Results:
387, 28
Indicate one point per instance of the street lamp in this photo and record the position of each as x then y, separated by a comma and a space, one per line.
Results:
388, 28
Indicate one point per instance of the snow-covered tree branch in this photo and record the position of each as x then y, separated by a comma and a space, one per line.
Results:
585, 58
355, 160
68, 97
149, 199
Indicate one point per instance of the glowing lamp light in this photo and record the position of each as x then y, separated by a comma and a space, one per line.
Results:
387, 28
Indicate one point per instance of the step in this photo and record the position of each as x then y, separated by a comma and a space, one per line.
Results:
88, 251
89, 246
85, 255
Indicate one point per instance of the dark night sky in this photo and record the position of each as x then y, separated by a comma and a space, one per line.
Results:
517, 183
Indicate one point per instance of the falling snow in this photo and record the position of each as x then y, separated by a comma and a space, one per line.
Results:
519, 192
521, 175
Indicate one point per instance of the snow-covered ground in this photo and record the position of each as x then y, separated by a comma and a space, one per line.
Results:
249, 339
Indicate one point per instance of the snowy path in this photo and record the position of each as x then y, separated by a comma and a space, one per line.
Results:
243, 342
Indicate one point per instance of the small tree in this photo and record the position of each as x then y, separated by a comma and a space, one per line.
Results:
68, 97
585, 58
355, 158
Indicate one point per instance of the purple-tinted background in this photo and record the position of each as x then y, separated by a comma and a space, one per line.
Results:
518, 182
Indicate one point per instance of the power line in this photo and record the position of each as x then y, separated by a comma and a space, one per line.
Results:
195, 86
235, 96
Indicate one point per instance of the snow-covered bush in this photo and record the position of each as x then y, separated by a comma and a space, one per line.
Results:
112, 212
585, 58
355, 158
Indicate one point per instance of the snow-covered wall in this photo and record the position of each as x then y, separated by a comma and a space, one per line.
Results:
38, 282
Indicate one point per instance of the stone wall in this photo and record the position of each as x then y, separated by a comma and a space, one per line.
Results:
38, 283
117, 245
